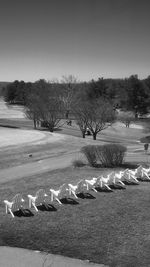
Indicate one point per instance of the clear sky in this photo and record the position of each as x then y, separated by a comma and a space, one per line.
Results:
86, 38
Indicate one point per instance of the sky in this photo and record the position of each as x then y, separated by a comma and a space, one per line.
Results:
46, 39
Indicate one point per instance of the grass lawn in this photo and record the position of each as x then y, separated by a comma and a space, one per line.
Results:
110, 228
19, 154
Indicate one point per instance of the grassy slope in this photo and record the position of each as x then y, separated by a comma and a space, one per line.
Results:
16, 155
111, 228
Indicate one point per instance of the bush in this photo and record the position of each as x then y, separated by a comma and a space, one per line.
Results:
78, 163
111, 155
145, 139
90, 154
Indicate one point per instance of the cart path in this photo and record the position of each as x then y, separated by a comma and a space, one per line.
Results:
13, 257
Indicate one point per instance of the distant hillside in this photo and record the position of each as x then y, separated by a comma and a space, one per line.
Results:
3, 85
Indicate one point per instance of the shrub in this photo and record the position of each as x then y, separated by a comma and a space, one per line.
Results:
145, 139
90, 153
78, 163
110, 155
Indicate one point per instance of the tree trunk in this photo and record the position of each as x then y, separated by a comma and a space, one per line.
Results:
67, 114
94, 136
83, 134
34, 123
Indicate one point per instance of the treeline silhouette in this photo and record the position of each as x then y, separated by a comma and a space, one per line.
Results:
129, 93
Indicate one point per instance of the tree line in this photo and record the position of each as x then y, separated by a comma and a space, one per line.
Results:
92, 104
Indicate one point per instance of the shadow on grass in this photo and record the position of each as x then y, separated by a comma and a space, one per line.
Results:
9, 126
69, 200
130, 183
23, 213
117, 186
128, 165
141, 180
42, 129
85, 195
103, 189
46, 207
106, 190
58, 129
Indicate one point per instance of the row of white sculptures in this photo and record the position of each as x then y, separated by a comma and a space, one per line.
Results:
113, 179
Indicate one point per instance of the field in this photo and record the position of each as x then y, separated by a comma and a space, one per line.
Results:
109, 228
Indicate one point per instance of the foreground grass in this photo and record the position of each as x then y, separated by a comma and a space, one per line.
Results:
110, 228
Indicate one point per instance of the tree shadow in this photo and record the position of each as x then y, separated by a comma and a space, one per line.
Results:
43, 129
23, 213
69, 200
58, 130
46, 207
47, 130
85, 195
9, 126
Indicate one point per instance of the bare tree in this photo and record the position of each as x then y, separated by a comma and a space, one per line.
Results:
51, 113
31, 109
45, 106
126, 118
97, 115
100, 116
79, 110
69, 85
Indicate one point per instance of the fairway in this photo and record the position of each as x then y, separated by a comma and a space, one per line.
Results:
12, 111
109, 228
15, 137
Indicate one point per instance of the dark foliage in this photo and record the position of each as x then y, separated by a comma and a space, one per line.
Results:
90, 153
110, 155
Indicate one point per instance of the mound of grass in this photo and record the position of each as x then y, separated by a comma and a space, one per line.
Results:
109, 228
